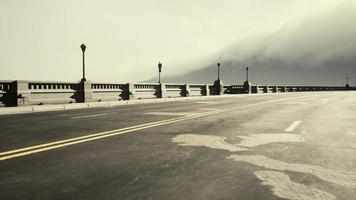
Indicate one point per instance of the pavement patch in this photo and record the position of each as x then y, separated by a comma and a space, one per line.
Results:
211, 141
345, 179
283, 187
262, 139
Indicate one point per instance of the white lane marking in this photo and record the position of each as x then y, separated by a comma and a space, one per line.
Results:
293, 126
284, 187
211, 141
325, 101
295, 103
171, 113
210, 109
88, 116
343, 178
350, 132
207, 102
255, 140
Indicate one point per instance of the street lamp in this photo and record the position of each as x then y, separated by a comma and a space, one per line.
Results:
83, 47
218, 64
247, 84
159, 71
246, 74
347, 82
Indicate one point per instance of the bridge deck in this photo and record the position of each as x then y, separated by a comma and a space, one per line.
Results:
251, 147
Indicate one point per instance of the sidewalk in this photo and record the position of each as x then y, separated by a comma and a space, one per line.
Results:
58, 107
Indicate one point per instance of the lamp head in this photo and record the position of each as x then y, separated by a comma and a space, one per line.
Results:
159, 66
83, 47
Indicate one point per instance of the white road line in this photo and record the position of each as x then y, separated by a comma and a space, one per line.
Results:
171, 113
293, 126
207, 102
88, 116
210, 109
350, 132
325, 101
295, 103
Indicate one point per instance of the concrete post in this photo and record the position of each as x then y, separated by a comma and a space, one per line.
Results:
284, 89
275, 88
267, 89
247, 87
130, 91
186, 91
207, 90
218, 87
86, 91
23, 94
162, 93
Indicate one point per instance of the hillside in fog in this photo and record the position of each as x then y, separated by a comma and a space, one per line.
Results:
321, 50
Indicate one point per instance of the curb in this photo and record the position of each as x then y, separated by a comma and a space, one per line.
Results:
63, 107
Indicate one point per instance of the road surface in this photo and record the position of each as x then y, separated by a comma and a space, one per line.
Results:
299, 146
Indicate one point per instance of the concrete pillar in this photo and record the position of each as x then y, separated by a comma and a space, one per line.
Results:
218, 87
284, 89
23, 94
86, 91
162, 92
130, 91
257, 91
207, 90
247, 87
186, 91
267, 89
347, 87
275, 88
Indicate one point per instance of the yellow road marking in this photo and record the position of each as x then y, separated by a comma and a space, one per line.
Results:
62, 143
89, 136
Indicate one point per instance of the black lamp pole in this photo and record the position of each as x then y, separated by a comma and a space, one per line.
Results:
247, 74
159, 71
83, 47
218, 71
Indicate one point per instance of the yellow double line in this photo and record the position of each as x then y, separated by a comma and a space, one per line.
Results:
63, 143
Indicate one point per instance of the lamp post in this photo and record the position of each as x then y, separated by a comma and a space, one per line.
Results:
218, 64
347, 82
159, 71
247, 84
246, 74
83, 47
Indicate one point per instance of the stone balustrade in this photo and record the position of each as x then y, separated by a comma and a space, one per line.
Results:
23, 93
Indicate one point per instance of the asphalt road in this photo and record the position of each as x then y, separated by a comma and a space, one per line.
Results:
299, 146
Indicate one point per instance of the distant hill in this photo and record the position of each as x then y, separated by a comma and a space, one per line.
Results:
320, 51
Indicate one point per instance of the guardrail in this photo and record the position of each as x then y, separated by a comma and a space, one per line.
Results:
22, 93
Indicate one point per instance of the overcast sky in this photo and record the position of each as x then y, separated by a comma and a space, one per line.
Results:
40, 39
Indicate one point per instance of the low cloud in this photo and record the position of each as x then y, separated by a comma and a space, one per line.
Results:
317, 50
